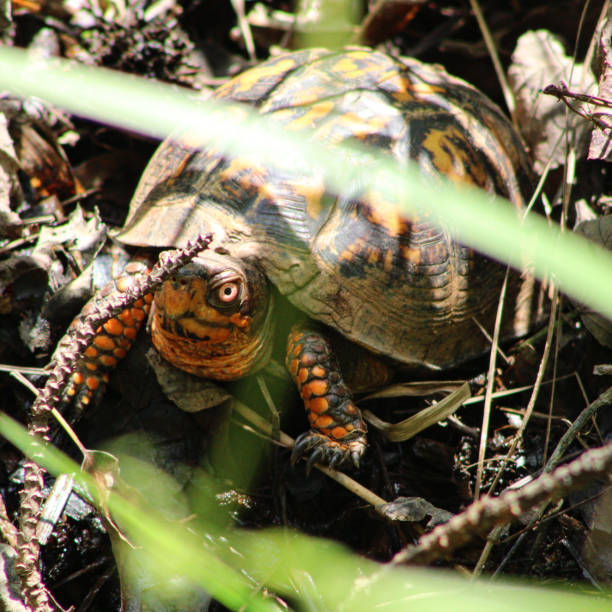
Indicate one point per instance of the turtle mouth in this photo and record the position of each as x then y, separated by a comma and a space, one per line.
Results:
190, 327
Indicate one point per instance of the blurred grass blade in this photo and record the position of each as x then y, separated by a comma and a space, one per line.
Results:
169, 546
582, 270
133, 103
306, 570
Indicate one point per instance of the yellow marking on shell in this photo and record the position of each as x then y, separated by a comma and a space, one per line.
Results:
421, 88
373, 256
247, 174
356, 247
315, 112
308, 95
349, 67
248, 79
451, 159
388, 261
390, 76
399, 86
313, 196
361, 127
180, 167
404, 90
411, 254
385, 214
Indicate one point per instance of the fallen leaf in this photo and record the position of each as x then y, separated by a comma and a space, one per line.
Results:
540, 60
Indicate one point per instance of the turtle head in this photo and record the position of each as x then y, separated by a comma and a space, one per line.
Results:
213, 318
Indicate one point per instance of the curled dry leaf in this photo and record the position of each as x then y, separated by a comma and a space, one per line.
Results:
540, 60
80, 239
597, 545
189, 393
601, 141
414, 509
9, 185
600, 232
410, 427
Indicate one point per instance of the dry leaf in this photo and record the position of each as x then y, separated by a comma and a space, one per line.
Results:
9, 185
410, 427
601, 138
189, 393
540, 60
413, 509
600, 232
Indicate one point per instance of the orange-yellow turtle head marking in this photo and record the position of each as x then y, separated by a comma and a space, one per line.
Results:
213, 318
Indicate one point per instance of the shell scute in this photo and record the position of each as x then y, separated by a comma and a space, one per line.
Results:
392, 282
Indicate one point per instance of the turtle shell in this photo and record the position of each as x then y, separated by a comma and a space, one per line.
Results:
399, 286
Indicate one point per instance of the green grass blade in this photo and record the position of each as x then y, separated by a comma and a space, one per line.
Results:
582, 270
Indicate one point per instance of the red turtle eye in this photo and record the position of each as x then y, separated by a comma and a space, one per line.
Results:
228, 292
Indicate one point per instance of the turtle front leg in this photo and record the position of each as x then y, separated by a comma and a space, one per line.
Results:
338, 431
111, 343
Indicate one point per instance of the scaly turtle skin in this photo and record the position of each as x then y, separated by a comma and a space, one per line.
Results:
397, 286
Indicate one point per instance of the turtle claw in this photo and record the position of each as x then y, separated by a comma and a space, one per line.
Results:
316, 447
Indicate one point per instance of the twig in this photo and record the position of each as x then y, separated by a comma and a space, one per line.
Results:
287, 441
586, 415
486, 413
488, 512
526, 417
497, 65
71, 348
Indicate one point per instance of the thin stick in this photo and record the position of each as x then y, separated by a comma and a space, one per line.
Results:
499, 70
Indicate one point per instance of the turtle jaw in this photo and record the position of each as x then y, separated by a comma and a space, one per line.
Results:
201, 330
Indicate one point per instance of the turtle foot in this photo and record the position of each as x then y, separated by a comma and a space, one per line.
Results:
316, 447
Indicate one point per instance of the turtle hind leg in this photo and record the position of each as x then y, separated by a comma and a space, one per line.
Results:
338, 431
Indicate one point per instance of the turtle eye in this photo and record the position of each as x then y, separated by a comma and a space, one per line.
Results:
228, 292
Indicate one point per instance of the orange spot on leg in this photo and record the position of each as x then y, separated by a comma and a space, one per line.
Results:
293, 367
113, 327
324, 421
318, 405
104, 343
92, 383
339, 432
319, 371
108, 360
318, 387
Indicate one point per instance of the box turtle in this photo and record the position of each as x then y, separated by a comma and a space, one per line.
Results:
359, 269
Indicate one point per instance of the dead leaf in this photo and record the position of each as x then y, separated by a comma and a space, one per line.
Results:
600, 232
540, 60
414, 509
10, 192
597, 547
410, 427
601, 139
188, 392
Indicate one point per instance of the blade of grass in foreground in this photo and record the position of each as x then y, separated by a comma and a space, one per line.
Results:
582, 270
171, 548
303, 569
